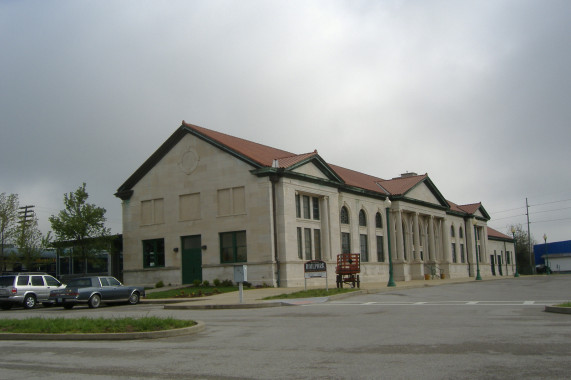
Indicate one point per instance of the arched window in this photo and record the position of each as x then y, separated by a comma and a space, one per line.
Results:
461, 233
362, 218
379, 220
452, 231
344, 215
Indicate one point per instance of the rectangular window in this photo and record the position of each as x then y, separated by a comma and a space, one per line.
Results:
454, 259
317, 243
462, 256
189, 206
315, 204
231, 201
233, 247
153, 253
380, 250
307, 240
299, 243
297, 206
306, 207
345, 242
152, 212
508, 257
364, 247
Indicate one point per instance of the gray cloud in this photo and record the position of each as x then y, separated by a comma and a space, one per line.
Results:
475, 93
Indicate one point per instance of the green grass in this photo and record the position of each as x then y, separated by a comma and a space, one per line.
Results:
190, 292
312, 293
85, 325
565, 304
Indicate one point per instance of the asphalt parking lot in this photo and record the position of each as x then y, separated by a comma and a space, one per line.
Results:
490, 329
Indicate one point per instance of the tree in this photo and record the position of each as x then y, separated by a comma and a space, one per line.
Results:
8, 222
522, 249
82, 225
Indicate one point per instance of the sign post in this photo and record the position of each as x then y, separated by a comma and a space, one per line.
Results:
241, 275
315, 269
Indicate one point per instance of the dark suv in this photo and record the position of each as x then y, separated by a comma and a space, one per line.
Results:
26, 289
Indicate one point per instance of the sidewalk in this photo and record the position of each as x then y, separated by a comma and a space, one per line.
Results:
252, 298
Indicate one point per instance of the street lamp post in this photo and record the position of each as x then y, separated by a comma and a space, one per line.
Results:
515, 257
478, 276
391, 280
545, 254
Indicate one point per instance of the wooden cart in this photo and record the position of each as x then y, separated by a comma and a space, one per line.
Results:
348, 269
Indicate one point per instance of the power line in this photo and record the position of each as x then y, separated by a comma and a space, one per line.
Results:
548, 203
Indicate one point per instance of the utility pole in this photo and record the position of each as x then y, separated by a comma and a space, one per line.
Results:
531, 267
26, 215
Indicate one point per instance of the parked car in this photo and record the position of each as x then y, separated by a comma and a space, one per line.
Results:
94, 290
542, 268
27, 289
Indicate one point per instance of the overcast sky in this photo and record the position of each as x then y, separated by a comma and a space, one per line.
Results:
474, 93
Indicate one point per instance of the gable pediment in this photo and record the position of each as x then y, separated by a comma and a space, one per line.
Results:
423, 193
310, 169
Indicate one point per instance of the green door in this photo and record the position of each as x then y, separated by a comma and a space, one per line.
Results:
191, 259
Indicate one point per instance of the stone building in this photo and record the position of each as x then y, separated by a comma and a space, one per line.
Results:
206, 201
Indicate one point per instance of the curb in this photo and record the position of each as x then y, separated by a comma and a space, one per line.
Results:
226, 306
558, 309
200, 326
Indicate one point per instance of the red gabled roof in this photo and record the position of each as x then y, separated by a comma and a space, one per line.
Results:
262, 154
399, 186
498, 234
357, 179
266, 156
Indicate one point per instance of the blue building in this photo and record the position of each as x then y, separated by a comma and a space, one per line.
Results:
558, 255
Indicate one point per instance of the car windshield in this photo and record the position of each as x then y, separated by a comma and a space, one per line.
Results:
79, 283
7, 280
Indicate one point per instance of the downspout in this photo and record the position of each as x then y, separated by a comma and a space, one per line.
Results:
274, 179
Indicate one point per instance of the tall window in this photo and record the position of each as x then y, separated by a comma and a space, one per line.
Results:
297, 206
378, 220
362, 218
317, 244
345, 242
380, 250
299, 243
462, 256
452, 231
364, 247
461, 233
153, 253
307, 238
508, 257
315, 204
305, 207
454, 259
233, 248
344, 215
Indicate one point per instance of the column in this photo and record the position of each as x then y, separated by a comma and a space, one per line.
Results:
416, 236
326, 230
446, 245
432, 249
399, 239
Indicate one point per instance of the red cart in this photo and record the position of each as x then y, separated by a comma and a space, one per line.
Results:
348, 269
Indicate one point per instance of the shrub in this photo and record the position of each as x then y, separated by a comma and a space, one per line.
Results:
205, 283
247, 284
227, 283
216, 282
160, 284
196, 283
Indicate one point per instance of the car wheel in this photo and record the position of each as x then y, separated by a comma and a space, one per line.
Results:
94, 301
29, 301
134, 299
68, 306
6, 306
